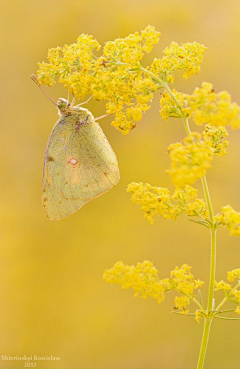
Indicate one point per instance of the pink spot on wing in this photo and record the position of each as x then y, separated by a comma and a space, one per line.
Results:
72, 161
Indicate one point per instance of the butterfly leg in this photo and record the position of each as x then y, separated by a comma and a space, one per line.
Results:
102, 116
85, 102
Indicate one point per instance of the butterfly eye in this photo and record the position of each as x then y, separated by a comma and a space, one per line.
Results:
62, 106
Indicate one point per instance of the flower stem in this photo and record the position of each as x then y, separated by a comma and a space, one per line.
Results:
204, 343
212, 270
208, 318
208, 199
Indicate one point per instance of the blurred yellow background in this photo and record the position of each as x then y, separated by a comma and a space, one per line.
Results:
53, 298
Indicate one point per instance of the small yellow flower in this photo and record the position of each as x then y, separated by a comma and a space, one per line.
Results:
237, 310
198, 316
182, 302
222, 286
233, 275
214, 136
236, 295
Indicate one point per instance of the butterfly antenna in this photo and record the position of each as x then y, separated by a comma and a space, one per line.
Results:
34, 79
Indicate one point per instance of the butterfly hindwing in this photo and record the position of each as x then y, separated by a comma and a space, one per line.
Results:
79, 166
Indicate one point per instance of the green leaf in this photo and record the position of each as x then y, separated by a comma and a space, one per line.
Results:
204, 223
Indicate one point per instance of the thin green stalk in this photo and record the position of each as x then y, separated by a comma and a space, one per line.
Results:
204, 343
208, 199
198, 304
207, 323
208, 319
212, 270
226, 318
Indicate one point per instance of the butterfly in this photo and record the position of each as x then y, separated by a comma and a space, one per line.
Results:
79, 163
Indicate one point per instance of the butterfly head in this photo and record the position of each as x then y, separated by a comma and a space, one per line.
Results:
63, 105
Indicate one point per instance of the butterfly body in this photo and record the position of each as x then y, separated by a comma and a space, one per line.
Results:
79, 163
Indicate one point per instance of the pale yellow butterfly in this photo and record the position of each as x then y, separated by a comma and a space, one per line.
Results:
79, 164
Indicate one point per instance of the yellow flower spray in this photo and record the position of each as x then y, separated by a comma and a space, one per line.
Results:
119, 77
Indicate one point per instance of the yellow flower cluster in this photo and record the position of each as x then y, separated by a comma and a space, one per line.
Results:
237, 310
119, 78
131, 49
198, 316
182, 302
169, 108
190, 160
115, 76
183, 280
204, 106
232, 294
159, 200
197, 208
143, 278
186, 58
230, 219
233, 275
128, 97
215, 137
236, 295
72, 64
222, 286
207, 106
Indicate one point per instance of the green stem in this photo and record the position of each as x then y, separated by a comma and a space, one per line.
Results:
204, 179
158, 80
199, 305
204, 343
226, 318
208, 319
168, 89
212, 270
208, 199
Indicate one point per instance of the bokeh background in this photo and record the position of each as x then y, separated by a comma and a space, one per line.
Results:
53, 298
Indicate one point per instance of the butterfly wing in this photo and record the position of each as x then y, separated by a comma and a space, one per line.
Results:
79, 166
